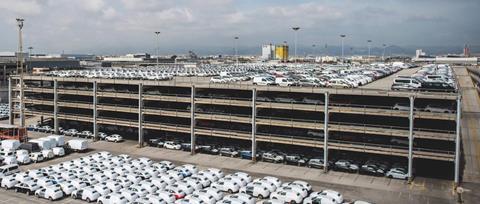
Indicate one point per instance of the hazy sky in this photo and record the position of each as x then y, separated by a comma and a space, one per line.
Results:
122, 26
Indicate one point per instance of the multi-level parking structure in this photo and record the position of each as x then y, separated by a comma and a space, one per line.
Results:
351, 120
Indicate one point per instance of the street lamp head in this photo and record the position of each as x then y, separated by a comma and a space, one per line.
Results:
384, 45
296, 28
157, 32
343, 36
236, 38
20, 22
369, 41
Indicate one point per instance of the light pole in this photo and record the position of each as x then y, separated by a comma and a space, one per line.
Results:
342, 37
236, 50
383, 54
295, 29
30, 58
368, 42
314, 52
20, 70
158, 37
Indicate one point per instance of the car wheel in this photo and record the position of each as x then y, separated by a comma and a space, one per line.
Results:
50, 198
260, 197
88, 200
230, 191
390, 176
293, 202
100, 202
38, 196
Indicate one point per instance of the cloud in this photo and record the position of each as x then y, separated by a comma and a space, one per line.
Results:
21, 7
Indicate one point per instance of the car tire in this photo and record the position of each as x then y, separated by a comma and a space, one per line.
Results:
260, 196
100, 202
88, 200
38, 195
390, 176
230, 191
50, 198
293, 202
16, 190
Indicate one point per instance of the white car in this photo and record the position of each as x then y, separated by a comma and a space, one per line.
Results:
336, 196
113, 198
36, 157
67, 187
166, 196
397, 173
248, 199
114, 138
168, 164
88, 194
319, 199
50, 192
438, 109
58, 151
129, 195
172, 145
243, 175
287, 196
102, 189
226, 186
299, 183
216, 193
9, 182
258, 191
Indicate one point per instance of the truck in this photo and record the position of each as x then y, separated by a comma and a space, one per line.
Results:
60, 140
78, 145
11, 145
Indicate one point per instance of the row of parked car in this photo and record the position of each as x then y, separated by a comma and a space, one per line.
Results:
369, 167
75, 133
104, 178
432, 77
4, 111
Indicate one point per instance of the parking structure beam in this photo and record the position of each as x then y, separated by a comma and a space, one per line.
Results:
95, 112
140, 115
254, 125
457, 142
192, 121
410, 138
325, 134
22, 103
11, 115
55, 107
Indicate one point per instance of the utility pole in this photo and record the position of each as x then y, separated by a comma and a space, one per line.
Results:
20, 70
295, 29
158, 37
236, 50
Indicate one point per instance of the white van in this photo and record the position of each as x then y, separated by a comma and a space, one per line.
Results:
260, 80
405, 83
282, 81
58, 151
8, 170
47, 154
10, 160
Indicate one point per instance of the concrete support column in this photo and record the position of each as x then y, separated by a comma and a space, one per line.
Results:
410, 138
254, 124
457, 142
192, 121
55, 107
22, 103
140, 115
11, 115
325, 134
95, 112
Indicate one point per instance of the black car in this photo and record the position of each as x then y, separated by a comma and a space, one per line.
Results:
155, 142
295, 160
346, 165
206, 149
437, 86
369, 169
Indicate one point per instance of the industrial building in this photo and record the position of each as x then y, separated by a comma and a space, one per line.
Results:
281, 52
350, 121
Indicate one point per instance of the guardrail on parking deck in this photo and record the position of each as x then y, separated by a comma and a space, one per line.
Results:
349, 91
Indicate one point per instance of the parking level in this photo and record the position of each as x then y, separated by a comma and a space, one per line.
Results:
353, 186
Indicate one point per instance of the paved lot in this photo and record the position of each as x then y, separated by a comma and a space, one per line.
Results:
353, 186
386, 83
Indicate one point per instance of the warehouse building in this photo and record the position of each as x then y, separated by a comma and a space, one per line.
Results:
329, 121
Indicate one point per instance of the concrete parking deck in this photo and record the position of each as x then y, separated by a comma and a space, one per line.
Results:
353, 186
386, 83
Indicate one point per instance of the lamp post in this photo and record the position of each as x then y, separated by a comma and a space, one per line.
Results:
314, 52
295, 29
158, 37
30, 58
342, 37
236, 50
20, 70
383, 54
368, 42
